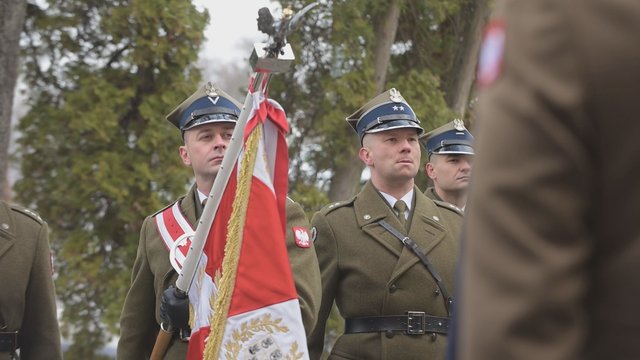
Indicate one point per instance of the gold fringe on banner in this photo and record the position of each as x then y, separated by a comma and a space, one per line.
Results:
232, 247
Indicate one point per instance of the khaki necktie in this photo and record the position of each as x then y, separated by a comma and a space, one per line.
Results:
400, 206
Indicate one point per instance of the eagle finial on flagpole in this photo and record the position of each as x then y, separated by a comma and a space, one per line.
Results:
279, 29
277, 47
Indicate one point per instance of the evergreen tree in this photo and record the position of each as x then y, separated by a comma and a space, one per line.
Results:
96, 152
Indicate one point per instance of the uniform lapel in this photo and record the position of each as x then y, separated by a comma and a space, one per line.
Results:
6, 241
189, 208
426, 231
7, 237
370, 208
426, 227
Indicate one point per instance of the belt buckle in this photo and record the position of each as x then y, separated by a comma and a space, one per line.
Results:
415, 322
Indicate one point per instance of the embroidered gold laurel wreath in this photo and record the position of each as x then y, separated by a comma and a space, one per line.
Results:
250, 328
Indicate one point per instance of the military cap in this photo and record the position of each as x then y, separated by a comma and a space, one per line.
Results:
450, 138
208, 104
386, 111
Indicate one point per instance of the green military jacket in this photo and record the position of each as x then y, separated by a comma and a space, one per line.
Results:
27, 301
153, 273
369, 272
431, 193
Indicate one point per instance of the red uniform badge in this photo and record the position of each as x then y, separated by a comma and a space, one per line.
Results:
301, 236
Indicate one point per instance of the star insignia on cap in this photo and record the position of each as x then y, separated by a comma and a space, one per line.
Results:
395, 108
458, 125
210, 90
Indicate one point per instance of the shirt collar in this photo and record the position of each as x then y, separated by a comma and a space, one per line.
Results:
407, 198
201, 196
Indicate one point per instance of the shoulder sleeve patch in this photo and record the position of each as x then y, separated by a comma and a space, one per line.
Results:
32, 214
301, 236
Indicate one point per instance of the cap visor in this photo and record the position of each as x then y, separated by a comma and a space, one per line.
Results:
395, 124
455, 149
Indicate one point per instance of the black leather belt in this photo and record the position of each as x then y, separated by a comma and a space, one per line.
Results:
9, 341
413, 323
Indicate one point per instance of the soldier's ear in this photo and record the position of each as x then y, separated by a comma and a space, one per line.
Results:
430, 171
184, 155
365, 155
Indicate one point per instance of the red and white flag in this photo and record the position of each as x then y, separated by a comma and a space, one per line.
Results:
243, 299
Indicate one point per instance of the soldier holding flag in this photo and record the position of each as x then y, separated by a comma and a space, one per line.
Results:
207, 120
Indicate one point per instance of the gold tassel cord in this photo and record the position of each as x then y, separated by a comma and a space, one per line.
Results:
232, 247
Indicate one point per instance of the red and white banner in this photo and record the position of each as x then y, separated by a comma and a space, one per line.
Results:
263, 320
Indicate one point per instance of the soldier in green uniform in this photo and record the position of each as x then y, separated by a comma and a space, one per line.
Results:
552, 237
28, 318
206, 119
387, 255
449, 152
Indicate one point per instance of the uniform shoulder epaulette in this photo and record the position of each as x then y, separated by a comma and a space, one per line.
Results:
29, 213
164, 208
448, 206
336, 205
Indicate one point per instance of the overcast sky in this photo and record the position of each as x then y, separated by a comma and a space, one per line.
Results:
233, 28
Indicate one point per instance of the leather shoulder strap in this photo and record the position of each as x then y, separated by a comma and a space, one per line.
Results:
406, 241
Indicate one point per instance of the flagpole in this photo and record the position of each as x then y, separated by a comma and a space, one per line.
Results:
266, 59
